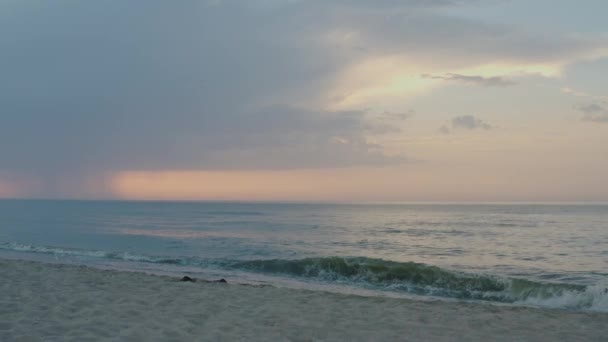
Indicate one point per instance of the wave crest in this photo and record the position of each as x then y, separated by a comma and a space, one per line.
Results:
425, 279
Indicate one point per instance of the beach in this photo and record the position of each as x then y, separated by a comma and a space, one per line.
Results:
52, 302
290, 170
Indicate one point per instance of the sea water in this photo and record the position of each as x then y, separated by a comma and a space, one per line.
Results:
544, 255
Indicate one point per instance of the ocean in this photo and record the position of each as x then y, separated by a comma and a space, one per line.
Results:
541, 255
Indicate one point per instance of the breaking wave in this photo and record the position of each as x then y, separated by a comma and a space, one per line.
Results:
408, 277
425, 279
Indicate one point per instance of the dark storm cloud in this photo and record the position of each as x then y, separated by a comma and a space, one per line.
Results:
121, 85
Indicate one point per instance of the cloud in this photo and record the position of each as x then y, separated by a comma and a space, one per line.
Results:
591, 108
495, 81
579, 93
469, 122
574, 92
287, 137
436, 38
183, 139
444, 130
397, 116
594, 112
220, 84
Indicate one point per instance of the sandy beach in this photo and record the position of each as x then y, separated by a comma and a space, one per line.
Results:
49, 302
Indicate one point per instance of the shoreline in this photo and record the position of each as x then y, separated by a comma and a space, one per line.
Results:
54, 302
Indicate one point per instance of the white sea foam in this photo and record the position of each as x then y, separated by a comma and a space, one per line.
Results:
593, 298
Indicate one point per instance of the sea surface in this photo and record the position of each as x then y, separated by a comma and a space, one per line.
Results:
553, 256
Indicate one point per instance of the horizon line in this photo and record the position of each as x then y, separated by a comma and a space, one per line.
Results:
312, 202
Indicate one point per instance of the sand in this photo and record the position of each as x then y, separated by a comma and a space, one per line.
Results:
49, 302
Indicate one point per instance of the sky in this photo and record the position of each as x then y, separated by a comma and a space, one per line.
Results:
304, 100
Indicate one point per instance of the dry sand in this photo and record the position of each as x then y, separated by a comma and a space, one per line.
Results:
44, 302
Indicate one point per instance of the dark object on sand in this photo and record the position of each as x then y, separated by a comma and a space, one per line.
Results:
192, 280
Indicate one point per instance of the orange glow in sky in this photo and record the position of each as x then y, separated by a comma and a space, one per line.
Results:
242, 185
411, 183
7, 190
